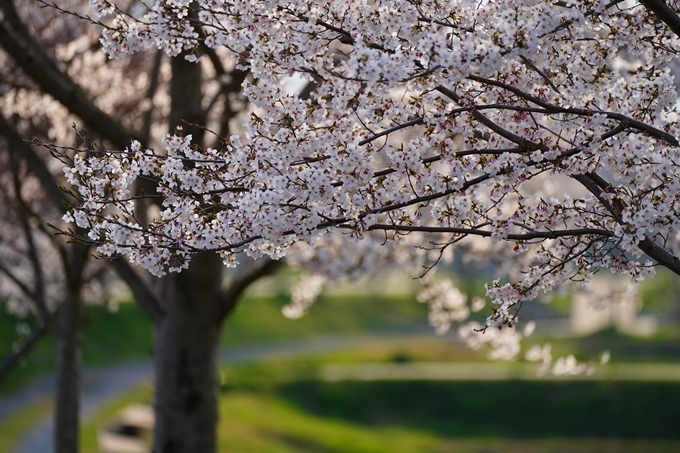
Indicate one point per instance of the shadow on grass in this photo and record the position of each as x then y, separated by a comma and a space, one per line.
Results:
510, 409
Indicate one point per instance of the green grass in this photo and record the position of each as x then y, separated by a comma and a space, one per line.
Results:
309, 415
127, 334
664, 347
277, 406
661, 293
266, 423
560, 304
285, 428
505, 409
258, 319
296, 424
40, 360
107, 337
541, 409
266, 373
110, 337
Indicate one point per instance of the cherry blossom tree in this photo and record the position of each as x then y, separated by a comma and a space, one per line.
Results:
50, 73
545, 129
54, 75
446, 118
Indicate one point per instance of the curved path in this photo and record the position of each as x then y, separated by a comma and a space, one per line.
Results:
106, 383
99, 386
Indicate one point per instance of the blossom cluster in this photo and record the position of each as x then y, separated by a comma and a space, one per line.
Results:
303, 295
447, 305
440, 118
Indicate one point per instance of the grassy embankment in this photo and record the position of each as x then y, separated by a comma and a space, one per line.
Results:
126, 336
293, 424
281, 406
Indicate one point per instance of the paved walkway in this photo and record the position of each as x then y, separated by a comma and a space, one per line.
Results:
99, 386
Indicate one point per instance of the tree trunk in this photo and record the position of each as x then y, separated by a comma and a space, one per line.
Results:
185, 347
186, 94
66, 426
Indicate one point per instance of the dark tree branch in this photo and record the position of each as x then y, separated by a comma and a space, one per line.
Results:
144, 296
17, 281
664, 13
660, 254
232, 294
12, 361
512, 236
398, 127
535, 68
35, 164
20, 45
550, 108
521, 141
22, 210
596, 185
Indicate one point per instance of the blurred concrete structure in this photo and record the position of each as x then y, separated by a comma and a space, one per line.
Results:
131, 433
610, 302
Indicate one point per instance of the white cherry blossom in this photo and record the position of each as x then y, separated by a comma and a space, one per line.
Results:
450, 121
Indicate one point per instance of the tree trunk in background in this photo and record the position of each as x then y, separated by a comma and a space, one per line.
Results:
185, 359
68, 328
675, 312
186, 97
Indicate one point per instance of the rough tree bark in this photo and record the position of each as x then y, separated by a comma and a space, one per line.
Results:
68, 331
186, 337
185, 348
